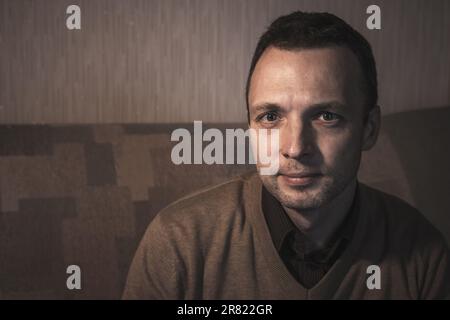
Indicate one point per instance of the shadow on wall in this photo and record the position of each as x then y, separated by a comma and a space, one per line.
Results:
411, 160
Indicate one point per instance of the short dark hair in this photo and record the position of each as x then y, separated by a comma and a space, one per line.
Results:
303, 30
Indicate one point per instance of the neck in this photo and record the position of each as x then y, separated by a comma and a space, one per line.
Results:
320, 224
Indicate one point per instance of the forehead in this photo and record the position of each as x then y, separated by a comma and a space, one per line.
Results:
306, 76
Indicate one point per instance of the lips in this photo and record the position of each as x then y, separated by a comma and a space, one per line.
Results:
300, 179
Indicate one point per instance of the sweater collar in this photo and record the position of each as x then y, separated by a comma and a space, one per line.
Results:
281, 227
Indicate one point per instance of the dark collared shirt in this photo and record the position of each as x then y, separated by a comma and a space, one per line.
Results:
306, 265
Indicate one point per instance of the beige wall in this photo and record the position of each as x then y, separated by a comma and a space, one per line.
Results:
176, 61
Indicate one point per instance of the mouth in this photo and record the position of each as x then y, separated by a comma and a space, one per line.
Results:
300, 179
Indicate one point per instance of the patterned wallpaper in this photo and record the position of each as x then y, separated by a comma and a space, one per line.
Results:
85, 194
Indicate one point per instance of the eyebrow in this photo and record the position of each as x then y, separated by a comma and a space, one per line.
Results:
328, 105
268, 106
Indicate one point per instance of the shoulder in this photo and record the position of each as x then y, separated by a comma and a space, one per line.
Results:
404, 223
207, 203
197, 216
410, 239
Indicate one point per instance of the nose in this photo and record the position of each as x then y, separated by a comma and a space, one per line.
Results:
296, 140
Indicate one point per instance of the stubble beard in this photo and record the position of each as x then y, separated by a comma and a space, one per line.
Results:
311, 197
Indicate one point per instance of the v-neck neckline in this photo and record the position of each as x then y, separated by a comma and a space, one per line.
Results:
287, 283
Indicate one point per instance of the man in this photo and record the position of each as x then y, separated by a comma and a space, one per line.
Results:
310, 231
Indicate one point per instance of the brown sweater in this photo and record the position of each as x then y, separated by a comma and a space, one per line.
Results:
216, 244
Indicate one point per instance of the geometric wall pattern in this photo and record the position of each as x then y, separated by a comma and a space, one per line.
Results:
85, 194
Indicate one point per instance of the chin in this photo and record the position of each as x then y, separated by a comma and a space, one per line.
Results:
307, 197
302, 199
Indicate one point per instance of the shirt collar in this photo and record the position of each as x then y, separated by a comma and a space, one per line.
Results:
280, 225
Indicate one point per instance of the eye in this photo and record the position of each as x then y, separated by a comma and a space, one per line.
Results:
327, 116
269, 117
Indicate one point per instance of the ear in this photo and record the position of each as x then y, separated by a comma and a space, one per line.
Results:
371, 128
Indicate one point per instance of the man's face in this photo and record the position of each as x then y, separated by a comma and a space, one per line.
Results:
314, 98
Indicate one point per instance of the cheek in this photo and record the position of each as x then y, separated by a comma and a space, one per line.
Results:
340, 149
